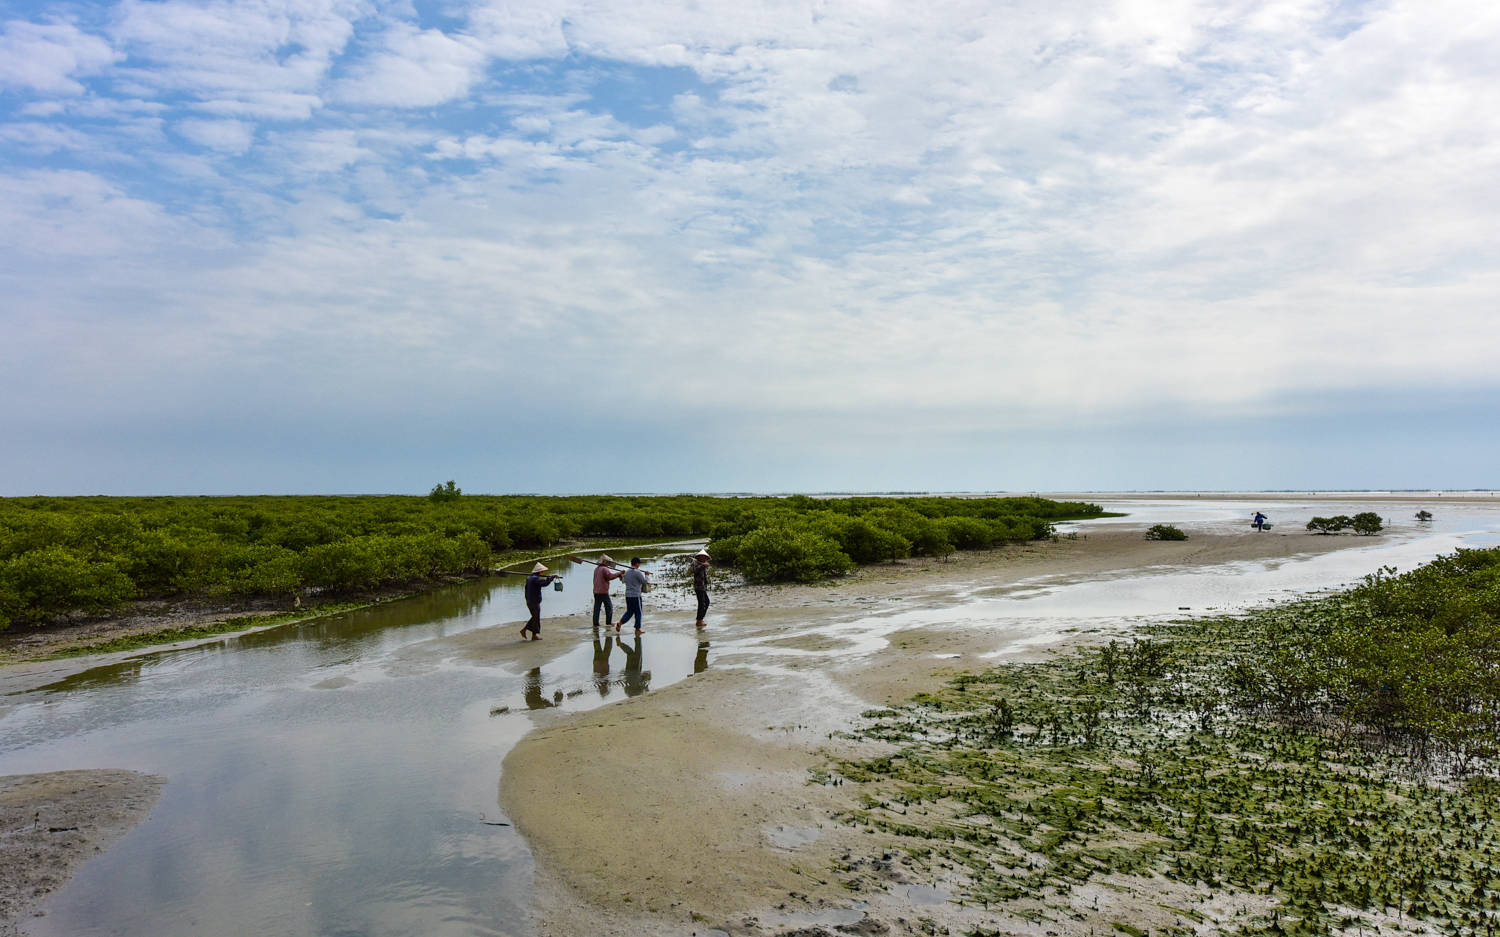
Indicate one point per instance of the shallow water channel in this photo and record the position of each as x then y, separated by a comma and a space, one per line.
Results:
341, 776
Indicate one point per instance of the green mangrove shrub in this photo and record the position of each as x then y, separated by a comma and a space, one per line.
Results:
780, 554
1329, 525
63, 556
1165, 532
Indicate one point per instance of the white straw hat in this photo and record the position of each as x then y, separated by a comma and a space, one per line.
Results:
539, 568
704, 554
605, 558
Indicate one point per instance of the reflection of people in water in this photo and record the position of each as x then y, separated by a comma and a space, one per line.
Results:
601, 663
700, 663
636, 679
534, 697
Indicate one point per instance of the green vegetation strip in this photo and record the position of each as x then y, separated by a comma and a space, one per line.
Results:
1335, 757
133, 642
62, 557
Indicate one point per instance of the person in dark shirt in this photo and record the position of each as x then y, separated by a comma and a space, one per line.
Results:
534, 585
700, 583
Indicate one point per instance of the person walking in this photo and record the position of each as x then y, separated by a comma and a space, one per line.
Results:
534, 585
1259, 521
603, 573
635, 582
700, 583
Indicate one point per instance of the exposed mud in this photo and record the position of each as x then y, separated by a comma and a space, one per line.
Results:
668, 814
50, 823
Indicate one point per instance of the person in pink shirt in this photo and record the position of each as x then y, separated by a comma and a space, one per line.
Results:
603, 573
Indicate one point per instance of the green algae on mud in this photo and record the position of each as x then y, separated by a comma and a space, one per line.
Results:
148, 639
1199, 755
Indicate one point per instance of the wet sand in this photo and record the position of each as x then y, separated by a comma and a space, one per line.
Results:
689, 810
50, 823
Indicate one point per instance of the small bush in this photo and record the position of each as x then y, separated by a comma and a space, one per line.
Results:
780, 554
1366, 523
1330, 525
1165, 532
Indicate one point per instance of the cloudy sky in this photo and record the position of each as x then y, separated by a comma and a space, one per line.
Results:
558, 246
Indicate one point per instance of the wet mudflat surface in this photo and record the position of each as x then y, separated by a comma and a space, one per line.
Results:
341, 777
333, 778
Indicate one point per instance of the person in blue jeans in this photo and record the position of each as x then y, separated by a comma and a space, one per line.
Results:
635, 581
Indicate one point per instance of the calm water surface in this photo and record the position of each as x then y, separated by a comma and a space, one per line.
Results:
340, 777
323, 779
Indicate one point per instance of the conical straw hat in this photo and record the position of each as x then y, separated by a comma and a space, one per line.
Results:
539, 568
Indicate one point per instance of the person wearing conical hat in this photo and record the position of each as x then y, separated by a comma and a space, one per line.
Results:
603, 573
534, 585
700, 583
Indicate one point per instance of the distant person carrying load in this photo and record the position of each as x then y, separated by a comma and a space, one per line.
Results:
1259, 522
534, 584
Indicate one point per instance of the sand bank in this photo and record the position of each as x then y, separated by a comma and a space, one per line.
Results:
689, 811
50, 823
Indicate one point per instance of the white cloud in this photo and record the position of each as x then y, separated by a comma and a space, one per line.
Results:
226, 136
43, 138
416, 68
253, 60
48, 57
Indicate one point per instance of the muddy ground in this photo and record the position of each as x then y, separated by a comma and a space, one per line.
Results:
689, 810
51, 823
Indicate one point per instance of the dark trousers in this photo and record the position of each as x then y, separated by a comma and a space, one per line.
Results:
534, 623
702, 603
601, 600
632, 607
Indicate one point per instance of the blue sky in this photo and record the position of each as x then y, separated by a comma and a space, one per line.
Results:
347, 246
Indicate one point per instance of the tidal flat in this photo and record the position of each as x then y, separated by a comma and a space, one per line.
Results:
741, 771
1198, 776
347, 769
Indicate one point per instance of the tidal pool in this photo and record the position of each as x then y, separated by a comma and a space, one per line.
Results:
336, 777
340, 777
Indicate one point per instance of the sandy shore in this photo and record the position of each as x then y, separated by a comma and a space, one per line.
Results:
50, 823
689, 811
